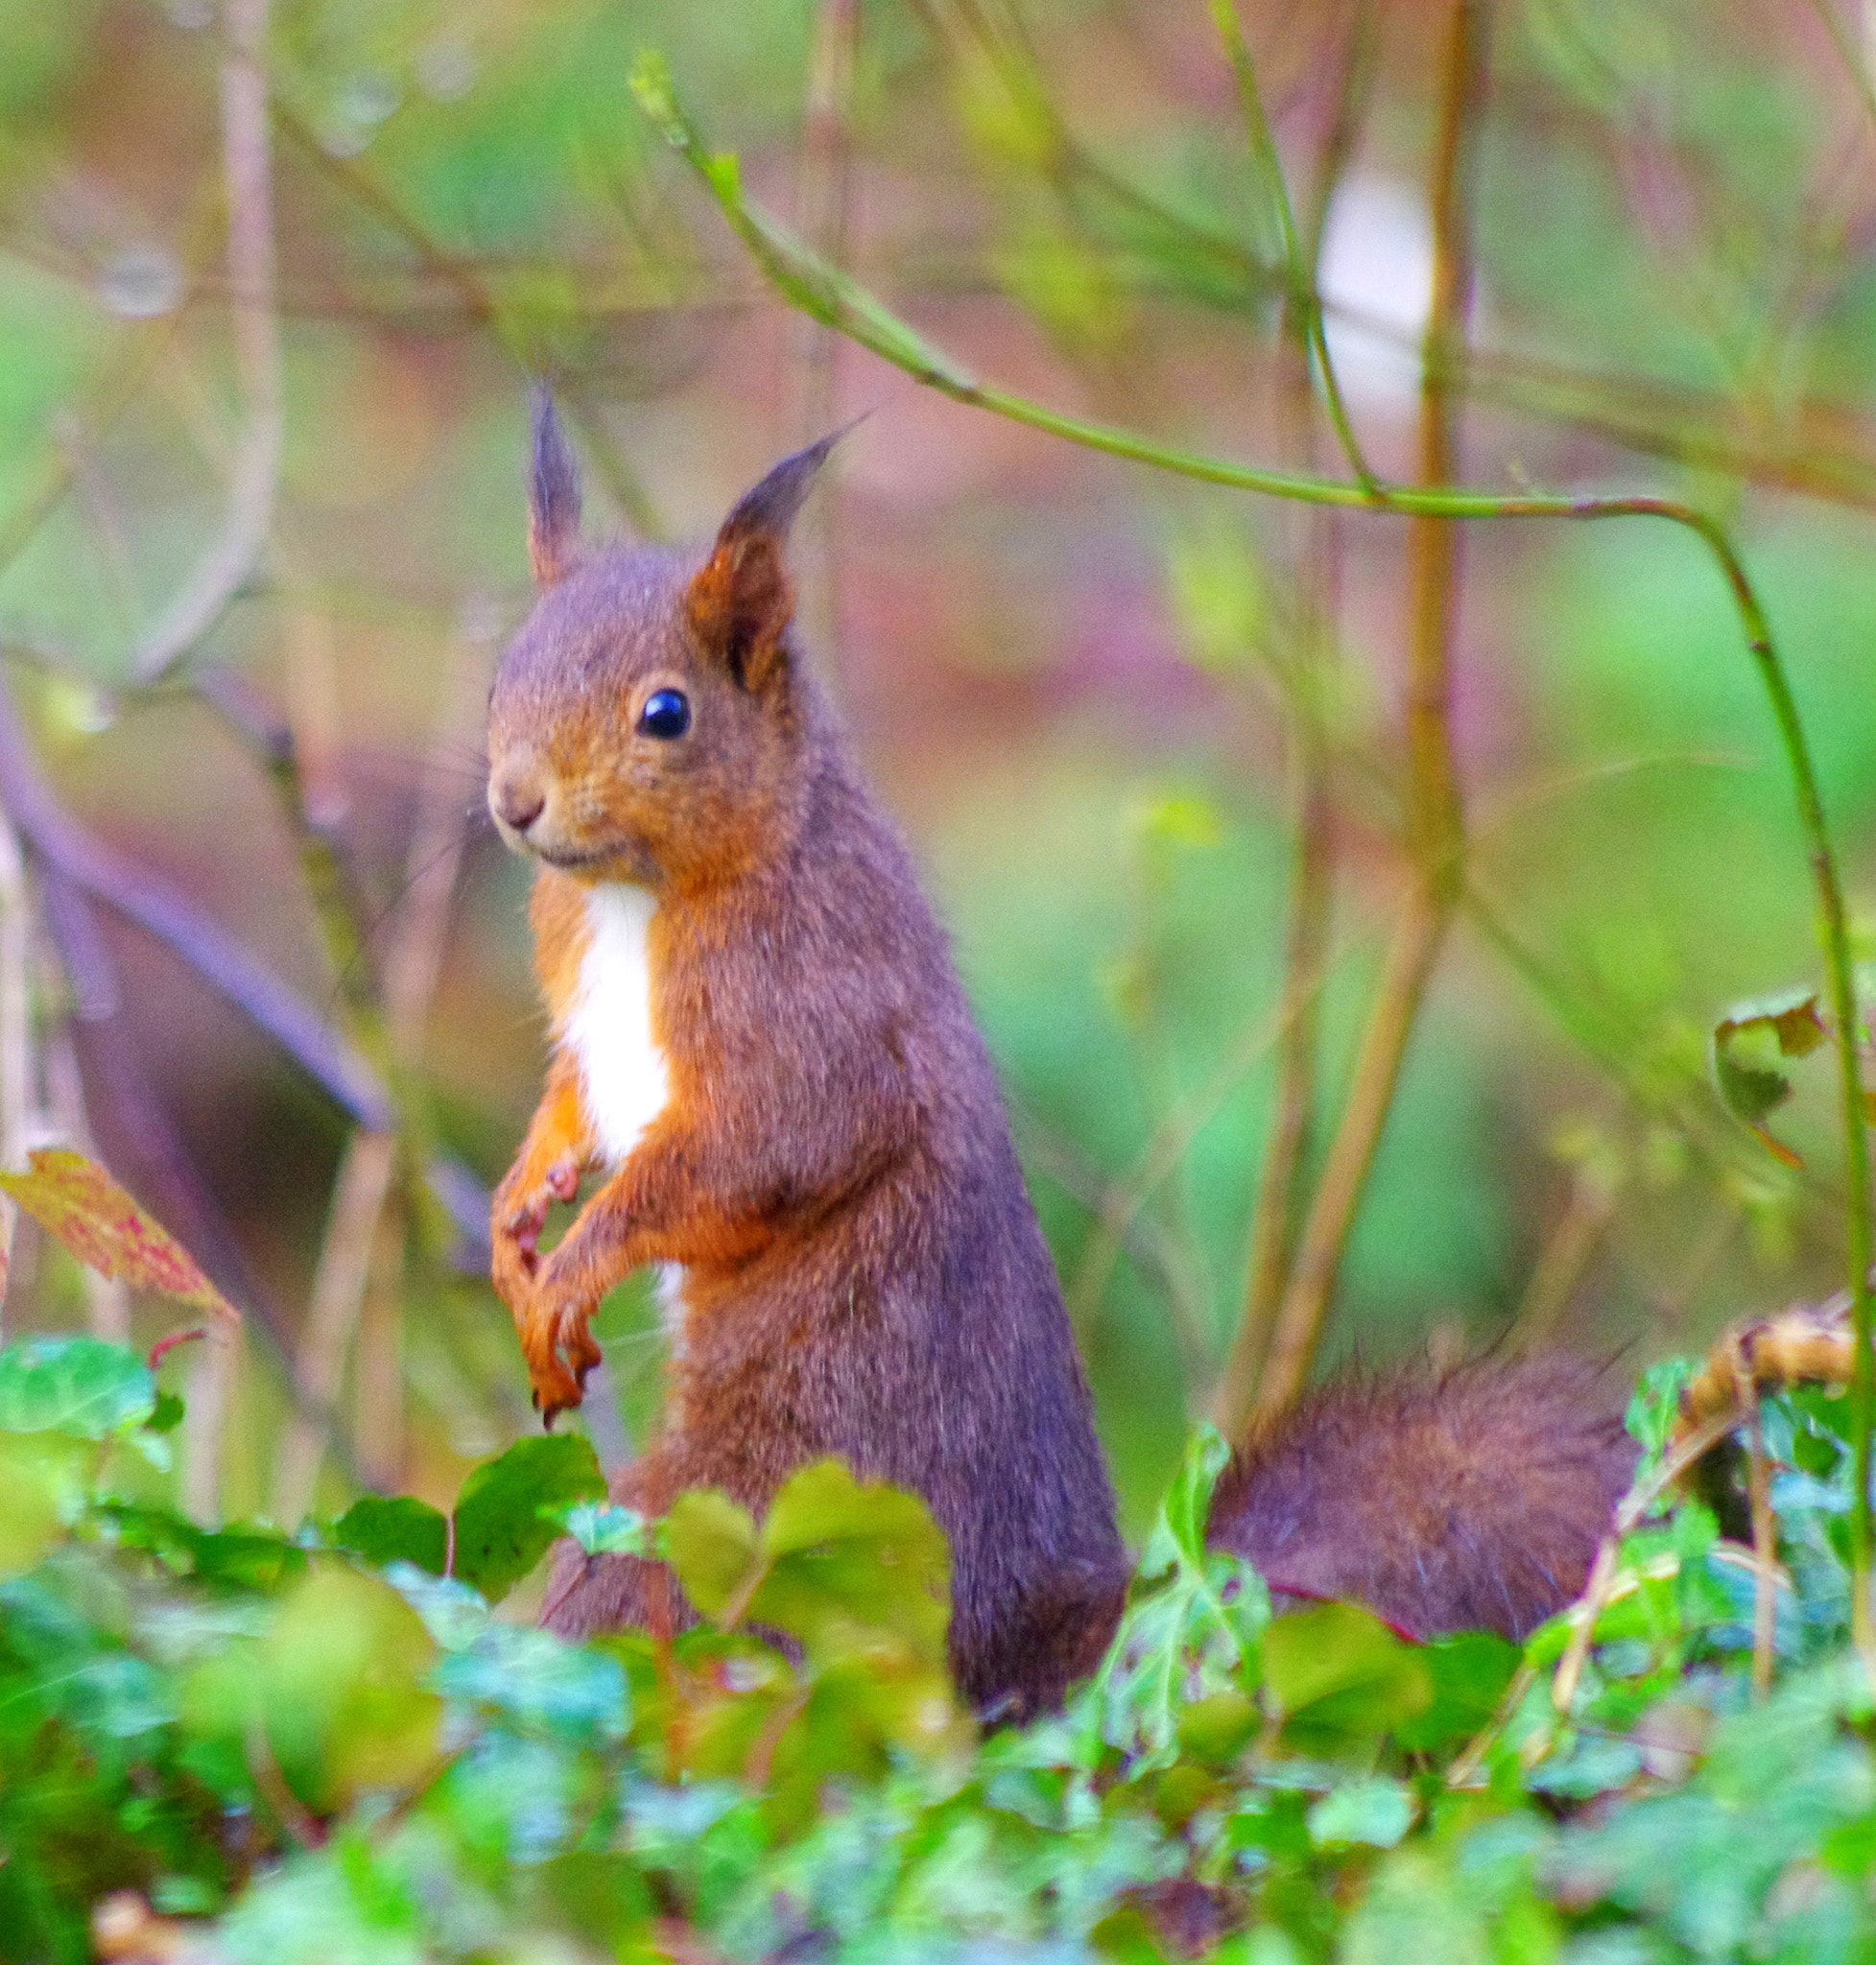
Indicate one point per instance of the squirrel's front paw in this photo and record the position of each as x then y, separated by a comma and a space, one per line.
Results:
521, 1213
560, 1350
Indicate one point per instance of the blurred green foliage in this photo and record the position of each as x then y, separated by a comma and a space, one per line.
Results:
1081, 684
338, 1756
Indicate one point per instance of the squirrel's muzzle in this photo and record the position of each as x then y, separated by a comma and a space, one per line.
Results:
517, 794
517, 805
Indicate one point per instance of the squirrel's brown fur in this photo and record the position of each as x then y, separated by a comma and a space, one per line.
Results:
1466, 1500
776, 1078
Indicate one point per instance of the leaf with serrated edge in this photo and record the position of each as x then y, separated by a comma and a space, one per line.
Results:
76, 1200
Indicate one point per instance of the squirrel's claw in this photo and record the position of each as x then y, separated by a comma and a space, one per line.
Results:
561, 1352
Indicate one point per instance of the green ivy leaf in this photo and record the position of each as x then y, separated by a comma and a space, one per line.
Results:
1339, 1674
714, 1547
603, 1529
235, 1557
1376, 1810
1191, 1632
501, 1532
841, 1553
80, 1386
401, 1529
1179, 1533
1470, 1674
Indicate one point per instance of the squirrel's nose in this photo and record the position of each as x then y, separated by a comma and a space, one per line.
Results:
517, 801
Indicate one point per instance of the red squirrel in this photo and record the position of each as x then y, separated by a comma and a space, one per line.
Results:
762, 1053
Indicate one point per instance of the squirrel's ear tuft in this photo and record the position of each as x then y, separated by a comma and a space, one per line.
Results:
553, 496
742, 602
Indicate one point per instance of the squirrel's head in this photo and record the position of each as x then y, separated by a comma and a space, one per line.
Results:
646, 724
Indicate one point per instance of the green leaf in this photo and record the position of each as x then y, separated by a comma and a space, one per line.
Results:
81, 1386
1415, 1912
1654, 1411
399, 1529
500, 1530
1179, 1534
713, 1544
30, 1521
168, 1413
1470, 1674
603, 1529
1190, 1631
603, 1898
1337, 1673
1215, 1731
339, 1685
235, 1557
841, 1553
1377, 1810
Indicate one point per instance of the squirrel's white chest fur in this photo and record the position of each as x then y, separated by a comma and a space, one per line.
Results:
624, 1083
623, 1077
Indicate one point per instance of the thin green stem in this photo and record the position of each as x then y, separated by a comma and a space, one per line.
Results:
1301, 299
831, 295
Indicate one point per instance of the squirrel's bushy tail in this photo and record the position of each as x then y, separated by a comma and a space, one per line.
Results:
1464, 1500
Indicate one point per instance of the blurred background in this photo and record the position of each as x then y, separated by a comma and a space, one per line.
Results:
273, 284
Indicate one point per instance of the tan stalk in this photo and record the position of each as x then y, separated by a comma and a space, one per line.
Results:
1564, 1259
1764, 1542
1435, 821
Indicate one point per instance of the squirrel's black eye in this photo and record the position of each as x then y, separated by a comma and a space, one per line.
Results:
667, 713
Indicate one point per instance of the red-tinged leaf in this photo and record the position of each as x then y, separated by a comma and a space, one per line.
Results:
74, 1199
1747, 1043
1799, 1026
